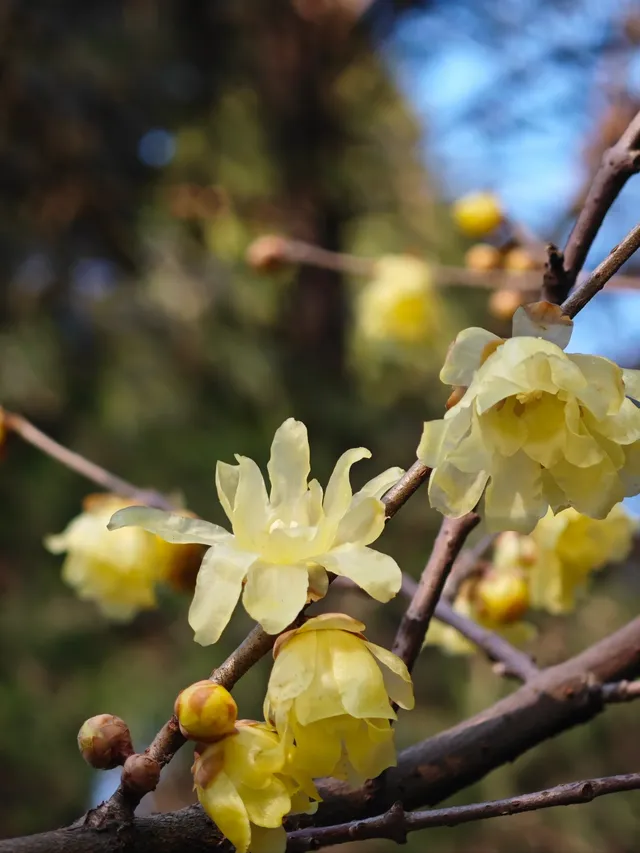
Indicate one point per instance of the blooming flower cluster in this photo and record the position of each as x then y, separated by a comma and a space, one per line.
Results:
283, 543
532, 427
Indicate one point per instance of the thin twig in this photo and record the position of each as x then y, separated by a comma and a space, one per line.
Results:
621, 691
400, 493
415, 622
103, 478
619, 163
395, 824
602, 273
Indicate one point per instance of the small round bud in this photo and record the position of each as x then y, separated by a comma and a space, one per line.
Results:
503, 596
477, 214
268, 253
483, 257
519, 260
206, 711
105, 741
140, 773
504, 303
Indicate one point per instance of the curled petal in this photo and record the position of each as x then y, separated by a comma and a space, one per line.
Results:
169, 526
358, 678
465, 356
332, 622
454, 492
363, 523
274, 595
289, 466
337, 497
379, 485
543, 320
227, 477
378, 574
224, 805
396, 676
433, 434
251, 514
631, 380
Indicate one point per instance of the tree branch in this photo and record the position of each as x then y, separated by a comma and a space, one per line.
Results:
395, 824
400, 493
621, 691
415, 622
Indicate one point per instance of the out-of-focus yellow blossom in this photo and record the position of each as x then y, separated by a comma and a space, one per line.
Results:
532, 427
477, 214
400, 303
245, 784
206, 711
283, 544
562, 551
330, 692
483, 257
499, 610
119, 572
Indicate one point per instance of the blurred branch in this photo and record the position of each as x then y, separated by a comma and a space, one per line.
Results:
622, 691
619, 163
415, 622
70, 459
395, 824
466, 565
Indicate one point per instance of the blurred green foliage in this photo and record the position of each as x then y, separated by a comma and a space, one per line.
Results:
132, 330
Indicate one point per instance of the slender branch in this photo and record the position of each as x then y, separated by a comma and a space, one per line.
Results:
32, 435
621, 691
395, 824
466, 565
400, 493
602, 273
415, 622
619, 163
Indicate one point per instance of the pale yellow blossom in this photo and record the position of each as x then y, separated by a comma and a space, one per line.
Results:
330, 692
283, 544
119, 572
478, 213
245, 784
532, 427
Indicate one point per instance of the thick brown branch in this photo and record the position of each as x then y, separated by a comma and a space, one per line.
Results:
415, 622
619, 163
395, 824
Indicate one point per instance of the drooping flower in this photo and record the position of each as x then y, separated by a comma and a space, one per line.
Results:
400, 303
330, 693
532, 427
246, 785
563, 550
478, 213
119, 572
283, 544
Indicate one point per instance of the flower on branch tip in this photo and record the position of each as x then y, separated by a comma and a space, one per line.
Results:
246, 785
561, 553
330, 694
206, 711
532, 427
400, 303
283, 543
119, 572
478, 213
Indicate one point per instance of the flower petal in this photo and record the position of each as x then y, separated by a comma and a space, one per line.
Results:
433, 434
593, 490
224, 805
514, 500
266, 806
251, 512
543, 320
358, 677
170, 526
379, 485
227, 477
289, 466
332, 622
218, 588
293, 669
363, 522
631, 380
454, 492
397, 680
465, 356
377, 574
337, 496
604, 391
274, 595
268, 840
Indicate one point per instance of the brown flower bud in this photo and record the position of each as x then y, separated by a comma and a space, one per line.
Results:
105, 741
141, 773
483, 257
503, 303
206, 712
267, 253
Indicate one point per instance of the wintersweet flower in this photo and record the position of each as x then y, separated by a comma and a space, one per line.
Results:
532, 427
478, 213
283, 544
245, 784
330, 692
119, 572
400, 303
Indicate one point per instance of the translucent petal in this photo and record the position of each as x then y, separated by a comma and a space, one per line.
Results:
251, 514
396, 676
543, 320
318, 581
224, 806
631, 383
371, 751
623, 427
289, 466
332, 622
379, 485
465, 356
170, 526
363, 522
322, 699
513, 500
227, 477
545, 429
318, 747
503, 429
630, 474
293, 669
337, 497
430, 445
218, 588
377, 574
580, 448
359, 678
266, 806
453, 492
268, 840
604, 391
274, 595
593, 490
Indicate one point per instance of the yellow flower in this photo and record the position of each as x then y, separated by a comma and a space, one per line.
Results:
562, 551
246, 786
118, 572
400, 303
330, 693
476, 214
283, 544
534, 426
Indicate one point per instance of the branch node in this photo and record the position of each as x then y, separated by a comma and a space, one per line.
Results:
555, 282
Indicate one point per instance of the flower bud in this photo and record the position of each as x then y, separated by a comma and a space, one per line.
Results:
483, 257
267, 253
206, 711
478, 213
141, 773
519, 260
105, 741
504, 303
503, 596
